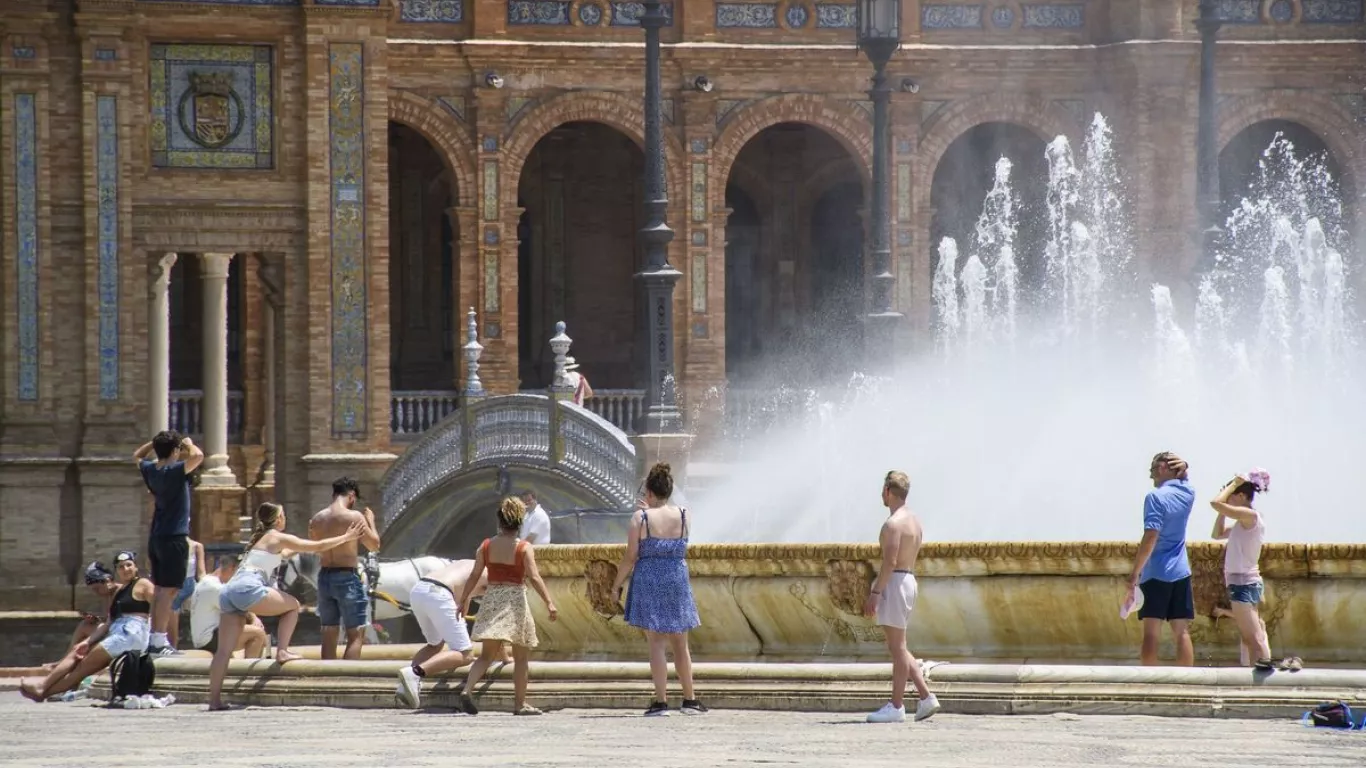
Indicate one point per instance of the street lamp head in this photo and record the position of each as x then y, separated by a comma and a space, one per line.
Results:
493, 80
879, 22
702, 83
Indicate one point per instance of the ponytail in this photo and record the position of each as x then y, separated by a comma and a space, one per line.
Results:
267, 515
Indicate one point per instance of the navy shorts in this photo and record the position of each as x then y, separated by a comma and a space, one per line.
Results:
341, 598
1167, 600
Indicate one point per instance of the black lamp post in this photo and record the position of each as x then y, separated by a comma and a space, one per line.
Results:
879, 35
1208, 201
658, 277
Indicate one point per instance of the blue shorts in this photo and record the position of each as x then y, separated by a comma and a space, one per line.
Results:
341, 598
245, 589
185, 593
1245, 593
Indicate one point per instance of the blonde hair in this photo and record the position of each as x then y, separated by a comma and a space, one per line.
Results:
898, 483
267, 515
511, 513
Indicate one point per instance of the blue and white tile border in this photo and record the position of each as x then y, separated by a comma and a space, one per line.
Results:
26, 236
107, 240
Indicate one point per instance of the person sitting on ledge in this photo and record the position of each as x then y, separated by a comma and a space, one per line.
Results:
128, 630
205, 615
248, 590
437, 612
100, 581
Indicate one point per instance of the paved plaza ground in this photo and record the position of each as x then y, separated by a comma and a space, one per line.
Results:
82, 734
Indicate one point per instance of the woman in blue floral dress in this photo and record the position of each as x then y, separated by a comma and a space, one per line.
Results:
660, 601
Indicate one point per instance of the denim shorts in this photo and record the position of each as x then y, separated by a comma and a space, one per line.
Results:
1246, 593
127, 633
341, 598
245, 589
186, 591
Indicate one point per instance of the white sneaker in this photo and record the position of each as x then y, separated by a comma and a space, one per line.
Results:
888, 714
926, 708
410, 687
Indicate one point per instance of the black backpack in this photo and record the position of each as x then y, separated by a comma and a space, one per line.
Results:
132, 674
1334, 714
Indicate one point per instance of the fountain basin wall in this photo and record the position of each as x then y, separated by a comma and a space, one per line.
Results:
999, 602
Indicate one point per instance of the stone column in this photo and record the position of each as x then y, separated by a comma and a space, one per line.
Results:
159, 343
214, 411
271, 279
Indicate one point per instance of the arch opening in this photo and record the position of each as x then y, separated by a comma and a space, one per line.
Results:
422, 275
1241, 163
795, 258
578, 251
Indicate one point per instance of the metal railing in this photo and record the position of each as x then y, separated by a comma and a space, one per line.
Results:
186, 413
412, 413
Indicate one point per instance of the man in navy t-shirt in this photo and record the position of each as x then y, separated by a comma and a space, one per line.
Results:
168, 547
1162, 569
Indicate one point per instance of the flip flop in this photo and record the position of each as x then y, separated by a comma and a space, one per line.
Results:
527, 709
1291, 664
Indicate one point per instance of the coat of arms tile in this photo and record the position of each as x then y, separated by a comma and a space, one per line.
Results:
212, 106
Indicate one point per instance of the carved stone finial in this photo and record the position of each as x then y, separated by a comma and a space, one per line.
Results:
472, 351
559, 344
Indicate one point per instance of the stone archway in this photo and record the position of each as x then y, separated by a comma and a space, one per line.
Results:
844, 121
450, 138
611, 109
1326, 118
1046, 119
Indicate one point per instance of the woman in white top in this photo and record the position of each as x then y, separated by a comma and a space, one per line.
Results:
1242, 526
249, 590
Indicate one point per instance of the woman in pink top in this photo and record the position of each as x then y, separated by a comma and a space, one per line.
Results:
1242, 526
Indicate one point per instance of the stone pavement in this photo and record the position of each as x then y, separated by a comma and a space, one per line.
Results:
83, 734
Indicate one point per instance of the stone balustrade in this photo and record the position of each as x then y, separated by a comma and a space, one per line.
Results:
186, 408
412, 413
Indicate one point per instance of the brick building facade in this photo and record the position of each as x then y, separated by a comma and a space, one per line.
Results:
340, 180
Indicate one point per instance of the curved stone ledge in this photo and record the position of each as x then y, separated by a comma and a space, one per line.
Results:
962, 688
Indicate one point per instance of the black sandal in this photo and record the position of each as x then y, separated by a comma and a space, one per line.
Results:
1266, 665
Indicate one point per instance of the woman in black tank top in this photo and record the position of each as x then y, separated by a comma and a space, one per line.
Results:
126, 630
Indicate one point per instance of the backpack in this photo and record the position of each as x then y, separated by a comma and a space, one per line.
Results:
1334, 714
131, 674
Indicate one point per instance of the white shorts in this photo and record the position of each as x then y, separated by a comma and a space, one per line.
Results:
897, 600
439, 617
127, 633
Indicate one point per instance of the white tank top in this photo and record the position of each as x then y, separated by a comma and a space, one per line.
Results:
261, 560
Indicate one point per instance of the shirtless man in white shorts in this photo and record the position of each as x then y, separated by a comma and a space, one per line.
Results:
437, 612
893, 597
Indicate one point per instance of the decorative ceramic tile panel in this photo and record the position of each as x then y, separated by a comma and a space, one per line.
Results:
796, 16
491, 236
903, 191
431, 11
749, 15
212, 106
590, 14
1239, 11
26, 236
836, 16
489, 144
903, 237
107, 240
903, 146
1050, 16
106, 54
490, 190
627, 14
1331, 11
699, 192
697, 146
1002, 17
346, 140
234, 2
699, 282
24, 52
349, 3
1281, 11
542, 13
699, 237
491, 298
951, 16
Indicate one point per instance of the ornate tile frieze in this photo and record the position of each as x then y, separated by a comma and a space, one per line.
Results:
234, 2
431, 11
747, 15
491, 297
836, 16
951, 16
107, 240
540, 13
1330, 11
26, 236
1053, 16
490, 196
346, 153
699, 282
212, 106
627, 14
699, 192
1238, 11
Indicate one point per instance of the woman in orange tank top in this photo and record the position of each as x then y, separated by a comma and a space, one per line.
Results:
504, 614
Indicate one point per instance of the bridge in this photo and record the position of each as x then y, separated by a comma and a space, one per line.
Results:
440, 496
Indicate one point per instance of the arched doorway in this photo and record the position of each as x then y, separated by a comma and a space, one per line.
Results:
794, 260
964, 176
422, 313
578, 253
1240, 161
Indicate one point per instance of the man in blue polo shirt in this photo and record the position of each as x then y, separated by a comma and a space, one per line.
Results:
168, 548
1161, 568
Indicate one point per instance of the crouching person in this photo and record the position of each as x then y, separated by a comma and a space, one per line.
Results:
128, 629
437, 611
